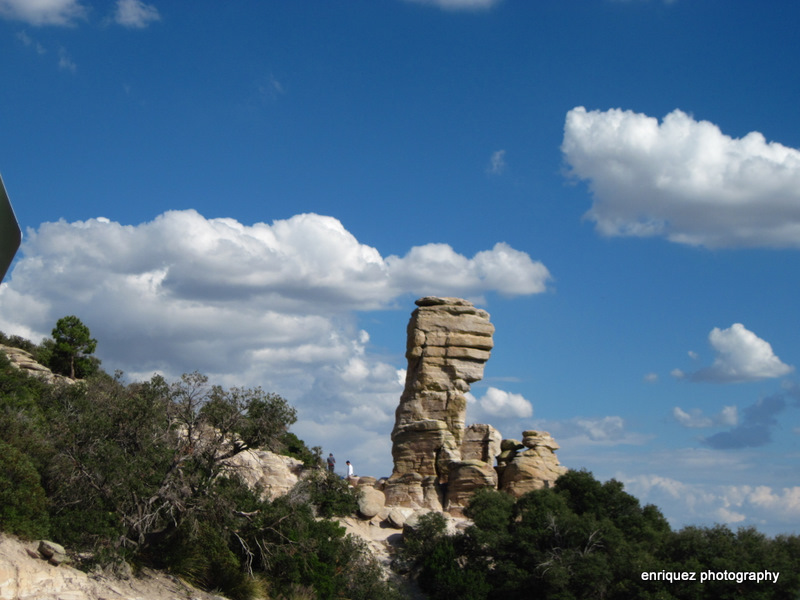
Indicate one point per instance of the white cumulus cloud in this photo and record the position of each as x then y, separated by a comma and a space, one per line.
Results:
43, 12
135, 14
684, 179
273, 305
499, 403
695, 419
740, 356
435, 266
711, 503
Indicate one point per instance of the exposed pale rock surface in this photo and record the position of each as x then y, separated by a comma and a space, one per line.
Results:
370, 502
438, 462
481, 442
531, 469
272, 474
449, 341
23, 360
25, 577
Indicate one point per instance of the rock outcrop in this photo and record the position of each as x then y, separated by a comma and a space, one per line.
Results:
23, 360
438, 462
272, 475
449, 341
28, 573
533, 468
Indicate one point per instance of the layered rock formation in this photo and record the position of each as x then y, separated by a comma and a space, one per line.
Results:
438, 462
449, 341
23, 360
530, 465
28, 572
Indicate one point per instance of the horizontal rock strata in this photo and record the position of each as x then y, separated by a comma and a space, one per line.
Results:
449, 341
24, 361
530, 465
438, 462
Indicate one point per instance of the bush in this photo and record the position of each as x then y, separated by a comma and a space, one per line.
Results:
200, 552
23, 504
296, 448
330, 495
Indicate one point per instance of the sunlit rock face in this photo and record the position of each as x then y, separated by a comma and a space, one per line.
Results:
439, 463
24, 361
449, 341
530, 465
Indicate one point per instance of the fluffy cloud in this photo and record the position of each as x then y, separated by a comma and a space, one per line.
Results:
684, 179
268, 304
593, 431
135, 14
433, 267
731, 504
459, 4
43, 12
499, 403
695, 419
741, 356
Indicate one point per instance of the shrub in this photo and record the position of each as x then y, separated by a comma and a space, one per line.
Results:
200, 552
296, 448
330, 495
23, 504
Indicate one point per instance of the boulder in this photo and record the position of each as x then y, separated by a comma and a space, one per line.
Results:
532, 439
52, 552
466, 477
271, 474
530, 470
370, 502
481, 442
396, 518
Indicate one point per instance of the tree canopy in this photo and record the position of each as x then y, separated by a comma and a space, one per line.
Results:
72, 348
587, 539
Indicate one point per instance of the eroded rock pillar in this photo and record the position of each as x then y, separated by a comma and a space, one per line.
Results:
449, 341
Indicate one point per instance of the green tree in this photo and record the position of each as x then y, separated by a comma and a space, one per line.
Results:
73, 346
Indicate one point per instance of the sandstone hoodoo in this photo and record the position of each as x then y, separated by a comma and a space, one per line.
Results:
438, 461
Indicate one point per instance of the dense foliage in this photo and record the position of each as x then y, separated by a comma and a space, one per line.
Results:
72, 347
586, 539
138, 472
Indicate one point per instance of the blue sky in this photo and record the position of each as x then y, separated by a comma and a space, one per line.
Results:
260, 190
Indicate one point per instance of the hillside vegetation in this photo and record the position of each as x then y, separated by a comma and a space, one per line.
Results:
136, 472
591, 540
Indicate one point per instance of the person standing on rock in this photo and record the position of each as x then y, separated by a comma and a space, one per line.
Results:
349, 470
331, 463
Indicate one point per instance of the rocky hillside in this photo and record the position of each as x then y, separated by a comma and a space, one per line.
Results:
27, 574
439, 463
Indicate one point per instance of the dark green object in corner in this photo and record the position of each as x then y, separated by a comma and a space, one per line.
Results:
10, 234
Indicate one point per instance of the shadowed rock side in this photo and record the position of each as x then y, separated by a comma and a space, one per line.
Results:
438, 462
